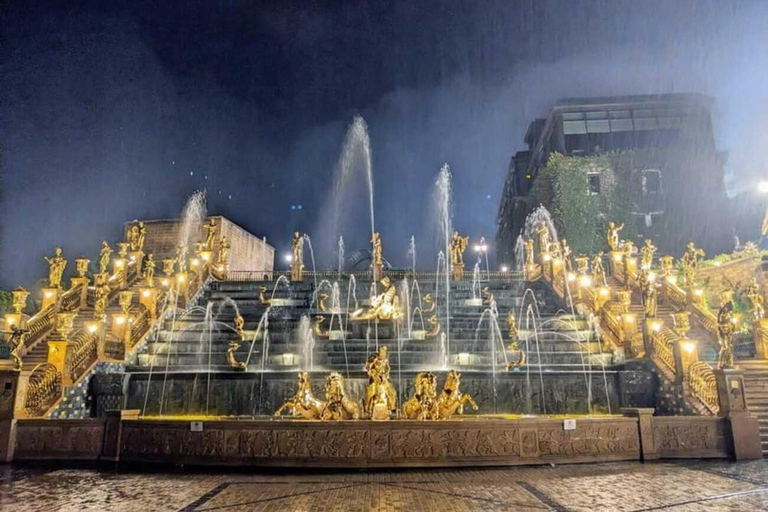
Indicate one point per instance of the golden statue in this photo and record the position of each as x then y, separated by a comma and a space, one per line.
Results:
181, 257
104, 256
141, 236
380, 395
133, 237
529, 253
598, 270
56, 266
102, 296
338, 406
513, 347
317, 327
303, 403
726, 326
210, 227
451, 400
297, 264
543, 232
555, 250
649, 290
628, 247
566, 254
149, 270
262, 296
488, 297
430, 307
377, 262
613, 236
385, 306
435, 330
756, 298
234, 363
647, 251
15, 342
239, 324
122, 249
458, 246
224, 246
423, 404
690, 262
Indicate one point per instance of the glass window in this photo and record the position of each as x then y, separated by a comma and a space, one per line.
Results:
573, 116
594, 184
619, 114
574, 127
598, 126
576, 143
601, 114
621, 125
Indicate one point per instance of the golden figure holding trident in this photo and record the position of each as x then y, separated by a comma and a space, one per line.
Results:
297, 263
56, 266
458, 246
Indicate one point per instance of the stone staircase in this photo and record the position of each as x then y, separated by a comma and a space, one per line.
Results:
756, 384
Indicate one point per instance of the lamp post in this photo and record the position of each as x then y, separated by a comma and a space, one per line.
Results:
482, 250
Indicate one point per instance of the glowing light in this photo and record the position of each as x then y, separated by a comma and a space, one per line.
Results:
698, 292
119, 263
133, 257
717, 263
735, 319
671, 279
120, 320
93, 328
206, 256
689, 347
617, 256
10, 320
464, 358
656, 326
146, 293
629, 319
164, 282
547, 257
633, 261
585, 281
504, 268
195, 262
604, 292
288, 258
48, 295
481, 248
181, 278
221, 268
571, 277
651, 277
762, 187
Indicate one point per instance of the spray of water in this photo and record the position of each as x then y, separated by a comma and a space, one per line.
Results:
444, 209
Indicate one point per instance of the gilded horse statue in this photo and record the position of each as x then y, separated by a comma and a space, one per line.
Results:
451, 400
338, 406
423, 404
303, 403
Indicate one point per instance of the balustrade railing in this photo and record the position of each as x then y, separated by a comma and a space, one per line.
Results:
675, 295
610, 321
38, 326
661, 341
43, 389
140, 325
703, 385
71, 298
396, 275
706, 318
82, 352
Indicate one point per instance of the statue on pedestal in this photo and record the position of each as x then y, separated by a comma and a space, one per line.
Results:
181, 257
690, 261
104, 256
566, 254
649, 290
380, 395
458, 246
756, 298
513, 342
385, 306
647, 251
56, 266
297, 263
15, 342
210, 227
529, 253
598, 270
612, 236
726, 326
149, 270
543, 232
224, 246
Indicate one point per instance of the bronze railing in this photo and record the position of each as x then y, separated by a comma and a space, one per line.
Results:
140, 325
703, 385
82, 352
662, 340
705, 317
43, 390
675, 295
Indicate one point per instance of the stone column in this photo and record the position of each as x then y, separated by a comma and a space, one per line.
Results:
745, 429
686, 353
644, 417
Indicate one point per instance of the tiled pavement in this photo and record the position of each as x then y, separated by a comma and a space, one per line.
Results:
683, 486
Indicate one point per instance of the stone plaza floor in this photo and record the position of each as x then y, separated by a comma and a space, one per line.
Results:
677, 486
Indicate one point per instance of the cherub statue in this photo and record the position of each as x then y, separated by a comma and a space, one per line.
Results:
56, 266
149, 270
133, 237
297, 264
104, 256
647, 251
458, 246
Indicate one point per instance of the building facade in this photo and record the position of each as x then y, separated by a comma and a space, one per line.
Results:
666, 141
247, 251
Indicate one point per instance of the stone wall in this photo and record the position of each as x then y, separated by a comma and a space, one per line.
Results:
734, 275
247, 252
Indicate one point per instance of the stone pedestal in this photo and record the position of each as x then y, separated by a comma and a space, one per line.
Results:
686, 353
137, 258
615, 259
644, 417
50, 297
730, 391
148, 297
57, 356
297, 271
121, 328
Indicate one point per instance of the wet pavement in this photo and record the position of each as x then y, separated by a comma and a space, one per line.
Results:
675, 486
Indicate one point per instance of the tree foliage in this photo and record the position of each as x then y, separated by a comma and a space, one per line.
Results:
580, 216
5, 301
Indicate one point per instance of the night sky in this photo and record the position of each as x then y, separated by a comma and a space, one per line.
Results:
113, 110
